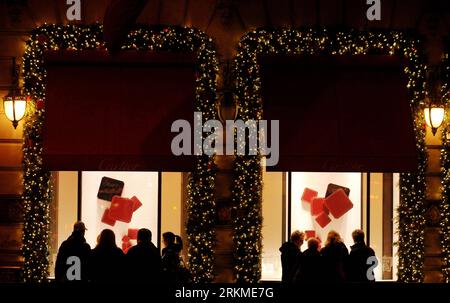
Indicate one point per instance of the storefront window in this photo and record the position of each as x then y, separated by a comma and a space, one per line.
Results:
288, 205
379, 220
136, 208
302, 216
143, 200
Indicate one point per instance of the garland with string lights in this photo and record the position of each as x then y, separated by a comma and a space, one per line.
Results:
445, 164
247, 189
37, 187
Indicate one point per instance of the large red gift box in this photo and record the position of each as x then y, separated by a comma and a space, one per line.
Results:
106, 218
136, 203
331, 188
323, 220
338, 203
308, 195
121, 209
318, 206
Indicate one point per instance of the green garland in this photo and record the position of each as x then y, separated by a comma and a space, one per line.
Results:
445, 162
247, 183
37, 186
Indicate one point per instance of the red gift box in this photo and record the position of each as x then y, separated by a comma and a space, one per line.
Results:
132, 233
106, 218
121, 209
310, 234
308, 195
331, 188
323, 220
338, 203
317, 206
136, 203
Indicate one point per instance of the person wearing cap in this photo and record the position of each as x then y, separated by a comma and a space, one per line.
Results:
74, 246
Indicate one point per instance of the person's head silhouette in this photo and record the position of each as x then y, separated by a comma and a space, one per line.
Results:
333, 238
144, 236
79, 228
107, 239
358, 236
168, 238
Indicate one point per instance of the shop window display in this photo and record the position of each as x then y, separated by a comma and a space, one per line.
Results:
121, 201
124, 203
312, 210
316, 203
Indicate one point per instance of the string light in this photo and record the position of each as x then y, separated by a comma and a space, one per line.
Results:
37, 186
445, 161
247, 187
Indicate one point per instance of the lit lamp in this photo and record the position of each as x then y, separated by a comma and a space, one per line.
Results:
15, 104
435, 109
15, 107
434, 116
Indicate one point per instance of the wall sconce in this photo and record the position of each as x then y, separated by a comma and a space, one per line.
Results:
434, 116
435, 109
15, 107
15, 104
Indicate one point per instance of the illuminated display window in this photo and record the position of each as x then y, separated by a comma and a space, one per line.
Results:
297, 201
152, 200
96, 212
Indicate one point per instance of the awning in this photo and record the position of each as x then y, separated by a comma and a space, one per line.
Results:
119, 18
340, 113
115, 113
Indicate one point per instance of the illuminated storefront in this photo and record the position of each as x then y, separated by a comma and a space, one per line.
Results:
76, 198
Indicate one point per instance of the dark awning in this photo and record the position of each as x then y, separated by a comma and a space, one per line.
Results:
115, 113
340, 113
119, 18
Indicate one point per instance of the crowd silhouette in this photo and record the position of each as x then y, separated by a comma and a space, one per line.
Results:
333, 263
144, 263
108, 263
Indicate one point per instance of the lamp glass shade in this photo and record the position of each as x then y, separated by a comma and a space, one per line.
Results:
15, 108
434, 116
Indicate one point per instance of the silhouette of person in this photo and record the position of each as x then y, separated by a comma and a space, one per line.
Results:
174, 269
75, 245
107, 260
357, 260
309, 268
143, 260
168, 239
334, 256
289, 252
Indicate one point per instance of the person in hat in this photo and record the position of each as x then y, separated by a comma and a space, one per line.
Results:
74, 246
